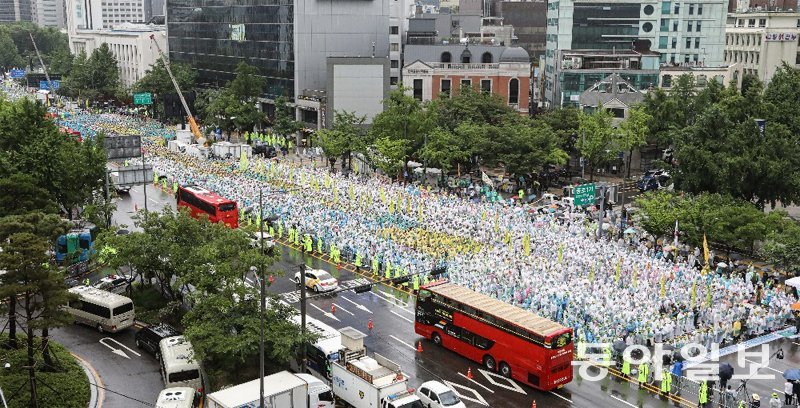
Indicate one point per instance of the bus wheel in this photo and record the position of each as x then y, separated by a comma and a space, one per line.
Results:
99, 328
505, 370
489, 363
436, 338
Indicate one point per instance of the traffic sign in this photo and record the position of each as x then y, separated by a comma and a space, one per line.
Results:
584, 194
143, 98
45, 85
17, 73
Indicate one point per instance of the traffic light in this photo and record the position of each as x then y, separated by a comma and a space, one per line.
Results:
438, 271
401, 280
363, 288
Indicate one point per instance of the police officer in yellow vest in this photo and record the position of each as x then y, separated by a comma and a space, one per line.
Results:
297, 236
358, 261
280, 230
607, 356
291, 234
319, 245
388, 269
666, 382
374, 265
626, 366
644, 371
332, 251
703, 393
307, 239
416, 283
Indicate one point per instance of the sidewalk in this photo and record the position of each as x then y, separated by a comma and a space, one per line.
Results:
97, 395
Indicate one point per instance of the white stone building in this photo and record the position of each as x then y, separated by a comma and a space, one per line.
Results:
761, 41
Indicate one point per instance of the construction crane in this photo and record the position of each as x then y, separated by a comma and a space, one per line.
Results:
44, 68
192, 124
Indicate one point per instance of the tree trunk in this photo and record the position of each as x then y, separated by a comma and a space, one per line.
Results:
48, 358
12, 323
31, 351
628, 165
591, 173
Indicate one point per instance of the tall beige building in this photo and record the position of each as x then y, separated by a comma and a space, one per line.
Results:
761, 41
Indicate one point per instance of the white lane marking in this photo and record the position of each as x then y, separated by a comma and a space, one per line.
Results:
342, 309
404, 343
561, 396
154, 201
402, 302
359, 306
623, 401
399, 307
402, 317
510, 385
482, 386
763, 366
479, 399
327, 314
117, 351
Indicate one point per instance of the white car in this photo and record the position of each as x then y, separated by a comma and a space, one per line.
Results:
256, 237
318, 280
434, 394
113, 283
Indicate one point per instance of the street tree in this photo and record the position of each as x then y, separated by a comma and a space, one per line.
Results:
345, 137
443, 151
70, 171
781, 96
404, 122
9, 56
284, 123
157, 81
390, 155
782, 248
564, 122
471, 105
19, 194
632, 133
95, 76
525, 146
596, 139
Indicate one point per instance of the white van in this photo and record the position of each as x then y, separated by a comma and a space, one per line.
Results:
178, 397
178, 365
101, 309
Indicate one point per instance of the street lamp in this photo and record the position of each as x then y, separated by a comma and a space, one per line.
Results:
2, 396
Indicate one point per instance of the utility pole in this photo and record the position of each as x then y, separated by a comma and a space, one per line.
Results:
263, 299
303, 355
144, 186
602, 211
108, 200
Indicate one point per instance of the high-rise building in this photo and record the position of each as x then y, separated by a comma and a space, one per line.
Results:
15, 10
103, 14
289, 42
529, 19
49, 13
690, 33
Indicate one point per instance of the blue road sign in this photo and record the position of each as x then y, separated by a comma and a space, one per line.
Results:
45, 85
17, 73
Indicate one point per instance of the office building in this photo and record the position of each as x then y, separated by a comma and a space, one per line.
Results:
762, 41
529, 19
288, 42
50, 13
690, 33
130, 43
15, 10
439, 70
725, 75
103, 14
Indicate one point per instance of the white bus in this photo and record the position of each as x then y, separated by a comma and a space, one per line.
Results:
178, 365
178, 397
101, 309
321, 353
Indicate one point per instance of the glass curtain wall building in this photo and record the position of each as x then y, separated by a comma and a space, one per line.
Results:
214, 36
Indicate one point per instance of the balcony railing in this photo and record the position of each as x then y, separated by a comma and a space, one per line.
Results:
464, 67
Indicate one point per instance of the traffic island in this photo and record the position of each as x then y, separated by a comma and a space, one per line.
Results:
64, 384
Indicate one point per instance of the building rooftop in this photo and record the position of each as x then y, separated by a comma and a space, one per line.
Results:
515, 54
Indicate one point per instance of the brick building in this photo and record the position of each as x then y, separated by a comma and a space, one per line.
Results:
504, 71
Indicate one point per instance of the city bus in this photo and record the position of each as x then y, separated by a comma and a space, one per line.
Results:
179, 368
105, 311
502, 337
202, 201
322, 352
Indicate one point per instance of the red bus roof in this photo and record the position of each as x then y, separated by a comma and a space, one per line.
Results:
206, 195
501, 310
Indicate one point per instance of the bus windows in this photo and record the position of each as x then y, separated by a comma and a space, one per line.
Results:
182, 376
123, 309
227, 207
96, 310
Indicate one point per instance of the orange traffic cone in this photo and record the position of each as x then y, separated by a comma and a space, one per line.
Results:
419, 347
469, 373
333, 309
534, 404
339, 267
369, 325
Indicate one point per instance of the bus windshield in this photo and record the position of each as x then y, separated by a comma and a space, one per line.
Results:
227, 207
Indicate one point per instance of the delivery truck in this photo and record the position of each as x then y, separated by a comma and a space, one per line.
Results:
362, 381
281, 390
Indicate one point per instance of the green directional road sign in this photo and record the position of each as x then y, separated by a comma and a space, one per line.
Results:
143, 98
583, 194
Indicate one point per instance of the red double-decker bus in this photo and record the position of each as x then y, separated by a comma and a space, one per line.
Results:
201, 201
502, 337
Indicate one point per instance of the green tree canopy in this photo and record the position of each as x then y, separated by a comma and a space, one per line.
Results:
596, 139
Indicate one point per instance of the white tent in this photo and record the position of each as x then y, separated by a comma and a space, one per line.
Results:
795, 282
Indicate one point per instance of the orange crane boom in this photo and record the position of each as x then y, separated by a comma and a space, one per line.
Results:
192, 124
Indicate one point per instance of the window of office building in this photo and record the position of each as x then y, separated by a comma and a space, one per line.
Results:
762, 22
486, 85
513, 90
698, 26
445, 86
486, 58
466, 83
666, 6
393, 80
689, 26
394, 30
664, 24
675, 25
677, 9
663, 41
697, 42
446, 57
674, 42
395, 64
394, 47
751, 22
691, 9
700, 9
688, 42
418, 89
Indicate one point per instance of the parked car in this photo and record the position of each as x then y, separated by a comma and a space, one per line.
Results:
114, 284
148, 338
653, 180
256, 237
434, 394
318, 280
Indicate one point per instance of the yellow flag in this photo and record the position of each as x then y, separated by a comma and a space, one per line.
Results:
391, 207
591, 273
507, 238
526, 244
483, 216
419, 212
635, 276
243, 162
619, 270
383, 196
352, 193
560, 253
355, 167
663, 285
694, 293
705, 248
335, 195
